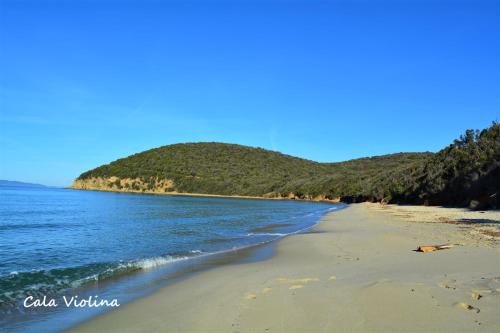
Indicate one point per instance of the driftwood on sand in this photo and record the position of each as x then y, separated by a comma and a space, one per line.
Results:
431, 248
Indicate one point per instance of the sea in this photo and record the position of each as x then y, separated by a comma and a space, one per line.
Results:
57, 242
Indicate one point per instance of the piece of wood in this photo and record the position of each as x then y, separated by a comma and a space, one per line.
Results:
431, 248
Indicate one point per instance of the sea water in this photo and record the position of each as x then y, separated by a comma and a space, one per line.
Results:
60, 243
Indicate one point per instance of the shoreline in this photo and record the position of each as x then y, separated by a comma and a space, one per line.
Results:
160, 278
349, 272
144, 283
181, 194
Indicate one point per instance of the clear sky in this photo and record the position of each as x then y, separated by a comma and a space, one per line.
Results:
83, 83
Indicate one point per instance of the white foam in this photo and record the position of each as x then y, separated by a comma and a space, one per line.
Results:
156, 261
266, 234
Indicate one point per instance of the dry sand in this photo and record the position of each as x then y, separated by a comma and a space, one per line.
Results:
355, 271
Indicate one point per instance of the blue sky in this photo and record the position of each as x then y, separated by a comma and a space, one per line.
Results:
83, 83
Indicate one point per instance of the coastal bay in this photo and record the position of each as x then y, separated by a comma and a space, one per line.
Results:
355, 271
98, 247
249, 166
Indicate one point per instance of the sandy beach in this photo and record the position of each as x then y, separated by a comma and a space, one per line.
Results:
355, 271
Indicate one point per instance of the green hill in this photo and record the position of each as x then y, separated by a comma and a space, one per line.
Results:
466, 170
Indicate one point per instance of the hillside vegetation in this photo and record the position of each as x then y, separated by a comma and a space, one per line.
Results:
465, 172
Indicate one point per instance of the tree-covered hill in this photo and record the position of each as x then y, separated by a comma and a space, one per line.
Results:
230, 169
465, 171
213, 168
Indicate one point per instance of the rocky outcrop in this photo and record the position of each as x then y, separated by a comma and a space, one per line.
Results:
167, 186
115, 184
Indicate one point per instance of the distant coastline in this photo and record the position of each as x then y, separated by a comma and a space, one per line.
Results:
18, 183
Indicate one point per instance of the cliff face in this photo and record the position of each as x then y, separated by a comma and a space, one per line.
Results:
115, 184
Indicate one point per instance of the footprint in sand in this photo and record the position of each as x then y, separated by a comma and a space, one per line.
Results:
476, 296
298, 281
447, 285
296, 286
307, 280
469, 307
250, 296
266, 290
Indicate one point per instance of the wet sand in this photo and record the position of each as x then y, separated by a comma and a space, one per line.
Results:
355, 271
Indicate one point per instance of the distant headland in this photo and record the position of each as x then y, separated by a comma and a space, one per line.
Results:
6, 183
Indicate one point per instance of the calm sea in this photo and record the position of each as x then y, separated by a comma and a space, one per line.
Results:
57, 242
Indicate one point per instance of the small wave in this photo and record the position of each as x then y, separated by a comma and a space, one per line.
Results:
270, 227
183, 232
266, 234
335, 208
219, 240
155, 262
36, 226
15, 286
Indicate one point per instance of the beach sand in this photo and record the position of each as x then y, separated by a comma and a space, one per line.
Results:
356, 271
